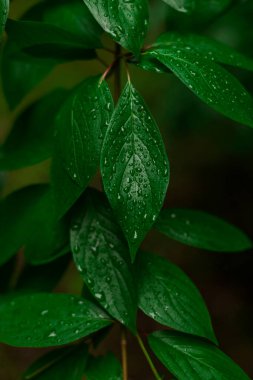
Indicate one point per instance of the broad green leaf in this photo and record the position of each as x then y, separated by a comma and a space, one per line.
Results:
134, 167
49, 41
46, 319
209, 81
202, 230
182, 5
26, 219
211, 49
101, 256
104, 368
80, 127
4, 10
168, 296
31, 138
125, 21
65, 363
153, 65
191, 358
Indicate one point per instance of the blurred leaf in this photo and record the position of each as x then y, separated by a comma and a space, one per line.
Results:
101, 256
134, 167
80, 127
191, 358
4, 10
104, 368
46, 319
168, 296
26, 219
68, 363
202, 230
182, 5
126, 21
210, 82
31, 138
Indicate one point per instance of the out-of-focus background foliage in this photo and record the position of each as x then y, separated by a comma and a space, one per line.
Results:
211, 169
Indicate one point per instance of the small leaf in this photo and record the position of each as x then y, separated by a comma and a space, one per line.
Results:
209, 81
134, 167
4, 10
46, 319
66, 363
211, 49
101, 255
125, 21
191, 358
182, 5
168, 296
80, 127
104, 368
202, 230
31, 139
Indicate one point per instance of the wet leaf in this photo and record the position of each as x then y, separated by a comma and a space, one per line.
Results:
126, 21
168, 296
46, 319
4, 10
101, 255
134, 167
80, 127
182, 5
191, 358
202, 230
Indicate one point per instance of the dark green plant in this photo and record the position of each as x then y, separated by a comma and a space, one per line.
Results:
104, 230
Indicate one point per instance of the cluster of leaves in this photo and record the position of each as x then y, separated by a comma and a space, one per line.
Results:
86, 131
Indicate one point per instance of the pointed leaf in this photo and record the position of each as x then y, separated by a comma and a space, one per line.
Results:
125, 21
101, 255
209, 81
168, 296
4, 10
134, 167
46, 319
104, 368
80, 127
191, 358
66, 363
182, 5
202, 230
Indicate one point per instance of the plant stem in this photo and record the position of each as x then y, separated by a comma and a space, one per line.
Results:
124, 354
149, 360
117, 77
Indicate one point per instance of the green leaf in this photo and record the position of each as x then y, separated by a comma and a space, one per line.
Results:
49, 41
134, 167
182, 5
31, 139
46, 319
202, 230
4, 10
26, 218
66, 363
209, 81
104, 368
211, 49
80, 127
191, 358
125, 21
168, 296
101, 256
153, 65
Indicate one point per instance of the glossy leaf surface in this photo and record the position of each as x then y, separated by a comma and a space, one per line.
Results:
182, 5
125, 21
46, 319
190, 358
209, 81
168, 296
101, 255
80, 127
63, 363
202, 230
134, 167
104, 368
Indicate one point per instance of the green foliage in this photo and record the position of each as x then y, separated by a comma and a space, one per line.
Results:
119, 150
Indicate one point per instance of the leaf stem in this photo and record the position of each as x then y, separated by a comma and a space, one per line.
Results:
147, 356
124, 354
